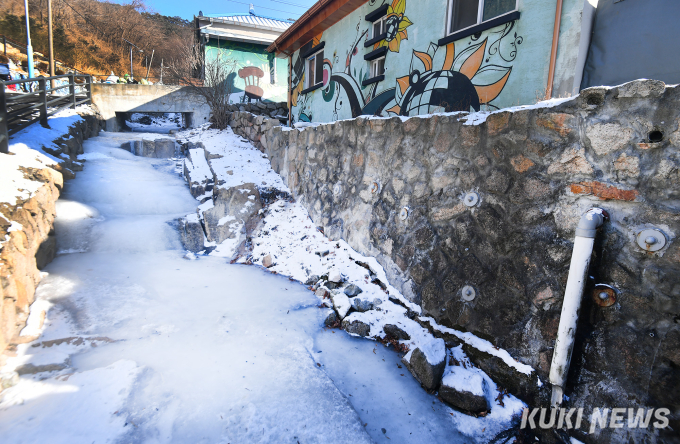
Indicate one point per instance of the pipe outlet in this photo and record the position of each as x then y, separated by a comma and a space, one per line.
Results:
571, 304
590, 222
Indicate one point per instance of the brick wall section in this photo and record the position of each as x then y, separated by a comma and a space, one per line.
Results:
535, 171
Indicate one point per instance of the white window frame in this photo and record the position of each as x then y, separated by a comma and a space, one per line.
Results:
373, 67
309, 82
381, 21
480, 16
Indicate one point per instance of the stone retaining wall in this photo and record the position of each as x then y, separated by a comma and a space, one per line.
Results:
396, 189
262, 109
252, 127
32, 247
71, 144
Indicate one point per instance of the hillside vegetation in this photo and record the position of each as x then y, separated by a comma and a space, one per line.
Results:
88, 34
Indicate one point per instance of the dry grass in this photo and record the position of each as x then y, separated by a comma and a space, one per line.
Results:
88, 34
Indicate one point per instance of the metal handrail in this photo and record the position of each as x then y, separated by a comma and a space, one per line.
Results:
18, 111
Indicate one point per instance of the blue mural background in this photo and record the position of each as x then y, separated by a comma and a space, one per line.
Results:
241, 55
500, 67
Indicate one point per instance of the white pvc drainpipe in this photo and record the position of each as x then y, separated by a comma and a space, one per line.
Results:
578, 274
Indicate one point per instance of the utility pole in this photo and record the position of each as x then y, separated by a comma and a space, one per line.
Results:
29, 48
148, 68
131, 45
51, 42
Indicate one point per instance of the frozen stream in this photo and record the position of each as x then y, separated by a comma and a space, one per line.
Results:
163, 349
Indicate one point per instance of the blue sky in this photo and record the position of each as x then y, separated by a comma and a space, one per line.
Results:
281, 9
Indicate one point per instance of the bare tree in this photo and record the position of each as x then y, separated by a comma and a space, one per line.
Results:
212, 79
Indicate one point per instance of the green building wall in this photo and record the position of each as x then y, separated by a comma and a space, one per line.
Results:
500, 67
241, 55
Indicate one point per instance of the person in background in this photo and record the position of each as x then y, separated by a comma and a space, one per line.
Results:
112, 78
4, 68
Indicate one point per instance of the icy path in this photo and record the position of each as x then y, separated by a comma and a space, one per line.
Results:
151, 347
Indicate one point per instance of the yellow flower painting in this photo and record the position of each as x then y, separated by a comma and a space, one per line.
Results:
395, 26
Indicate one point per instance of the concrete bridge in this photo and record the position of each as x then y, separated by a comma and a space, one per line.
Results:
116, 101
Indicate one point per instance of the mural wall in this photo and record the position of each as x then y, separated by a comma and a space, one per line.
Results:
502, 66
258, 75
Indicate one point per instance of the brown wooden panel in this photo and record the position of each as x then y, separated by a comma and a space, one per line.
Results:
320, 17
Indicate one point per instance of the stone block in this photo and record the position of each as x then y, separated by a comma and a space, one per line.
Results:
267, 261
341, 303
627, 166
233, 207
609, 137
362, 305
641, 89
447, 213
521, 164
521, 385
331, 318
352, 290
191, 233
427, 362
556, 122
572, 161
497, 122
498, 182
464, 389
395, 332
357, 328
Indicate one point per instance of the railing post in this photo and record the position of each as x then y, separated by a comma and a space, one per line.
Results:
4, 134
89, 89
72, 89
42, 87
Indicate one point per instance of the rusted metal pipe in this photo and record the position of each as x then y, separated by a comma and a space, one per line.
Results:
571, 305
553, 50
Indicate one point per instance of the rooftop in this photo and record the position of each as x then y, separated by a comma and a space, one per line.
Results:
249, 19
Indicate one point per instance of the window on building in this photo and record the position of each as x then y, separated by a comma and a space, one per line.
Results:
377, 67
379, 26
314, 69
466, 13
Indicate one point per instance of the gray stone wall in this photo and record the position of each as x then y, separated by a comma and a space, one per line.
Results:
396, 189
71, 144
277, 111
253, 127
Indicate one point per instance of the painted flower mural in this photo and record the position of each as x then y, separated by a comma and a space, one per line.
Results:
395, 26
460, 76
461, 83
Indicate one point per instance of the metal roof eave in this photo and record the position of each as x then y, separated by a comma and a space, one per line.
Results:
236, 37
320, 17
244, 24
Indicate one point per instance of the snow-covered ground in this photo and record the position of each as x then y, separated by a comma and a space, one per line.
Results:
144, 343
